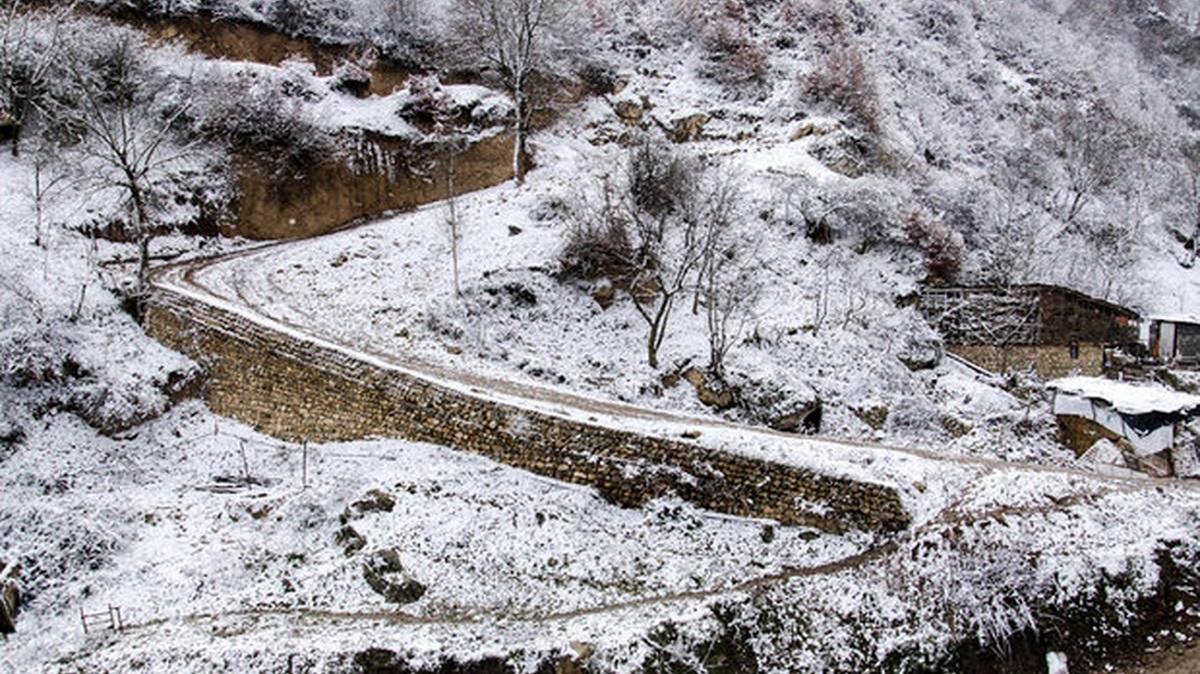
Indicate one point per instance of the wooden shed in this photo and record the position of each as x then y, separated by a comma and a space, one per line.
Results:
1175, 339
1055, 331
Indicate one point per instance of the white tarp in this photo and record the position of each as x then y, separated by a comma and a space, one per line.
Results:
1126, 398
1109, 402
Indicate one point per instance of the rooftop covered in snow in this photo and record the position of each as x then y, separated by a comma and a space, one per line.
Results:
1130, 399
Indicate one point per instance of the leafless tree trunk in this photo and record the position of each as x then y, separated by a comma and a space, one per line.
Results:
29, 50
48, 181
1190, 189
128, 147
516, 39
453, 224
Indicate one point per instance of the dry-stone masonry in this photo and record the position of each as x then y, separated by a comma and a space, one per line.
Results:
299, 390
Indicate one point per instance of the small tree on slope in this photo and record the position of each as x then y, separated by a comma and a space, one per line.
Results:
518, 39
127, 117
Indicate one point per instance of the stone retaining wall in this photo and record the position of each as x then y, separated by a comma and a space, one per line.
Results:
297, 390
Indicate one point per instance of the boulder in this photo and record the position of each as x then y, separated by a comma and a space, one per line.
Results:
845, 153
921, 353
787, 408
710, 389
875, 416
803, 419
374, 501
629, 112
10, 600
690, 128
385, 575
352, 79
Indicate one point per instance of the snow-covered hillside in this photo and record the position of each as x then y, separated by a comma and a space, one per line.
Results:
871, 147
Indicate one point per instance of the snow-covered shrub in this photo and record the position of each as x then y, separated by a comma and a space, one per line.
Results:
941, 246
659, 177
428, 104
306, 17
256, 116
29, 62
596, 248
54, 544
724, 33
841, 78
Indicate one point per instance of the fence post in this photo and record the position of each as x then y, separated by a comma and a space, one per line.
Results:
304, 469
245, 464
83, 619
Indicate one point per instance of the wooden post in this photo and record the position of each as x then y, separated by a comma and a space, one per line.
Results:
245, 464
83, 619
304, 468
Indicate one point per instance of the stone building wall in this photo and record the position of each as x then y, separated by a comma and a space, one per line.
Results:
295, 389
1051, 362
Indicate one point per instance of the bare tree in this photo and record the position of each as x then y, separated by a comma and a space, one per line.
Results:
1092, 145
1017, 229
1189, 189
453, 223
663, 228
518, 39
726, 283
48, 181
30, 42
128, 120
732, 288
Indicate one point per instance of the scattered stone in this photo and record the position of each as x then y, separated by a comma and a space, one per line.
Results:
670, 379
454, 350
768, 533
815, 127
375, 501
875, 416
575, 662
352, 79
513, 230
845, 153
8, 127
350, 540
956, 427
690, 435
385, 574
604, 294
342, 258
